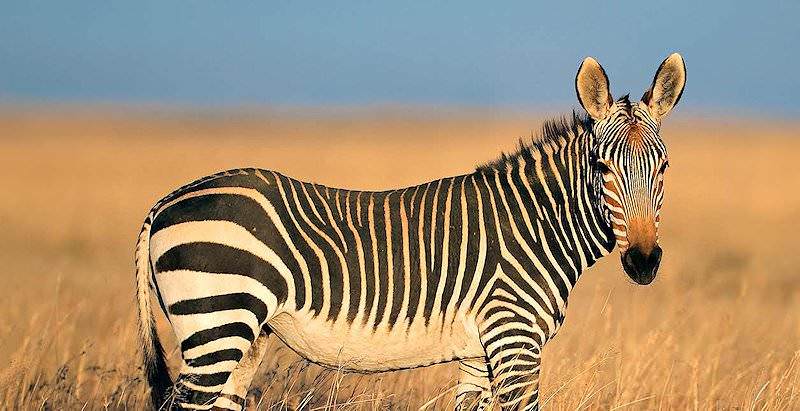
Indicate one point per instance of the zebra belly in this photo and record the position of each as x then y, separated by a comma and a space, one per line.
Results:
363, 349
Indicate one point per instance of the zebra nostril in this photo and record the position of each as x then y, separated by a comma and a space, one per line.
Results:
654, 259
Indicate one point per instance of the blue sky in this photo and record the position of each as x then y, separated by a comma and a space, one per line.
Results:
740, 57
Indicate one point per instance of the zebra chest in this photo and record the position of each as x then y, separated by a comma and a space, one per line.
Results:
359, 348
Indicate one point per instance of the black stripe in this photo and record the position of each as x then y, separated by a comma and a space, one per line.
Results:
231, 354
223, 259
208, 380
191, 396
237, 329
383, 269
235, 208
427, 238
221, 302
398, 265
369, 258
349, 199
413, 205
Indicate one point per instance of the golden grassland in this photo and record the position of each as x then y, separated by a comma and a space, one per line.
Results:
719, 329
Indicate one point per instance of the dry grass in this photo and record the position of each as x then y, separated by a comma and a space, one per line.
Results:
718, 330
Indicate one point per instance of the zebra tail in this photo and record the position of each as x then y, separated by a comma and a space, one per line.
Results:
155, 365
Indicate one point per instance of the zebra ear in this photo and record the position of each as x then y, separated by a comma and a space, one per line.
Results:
667, 87
594, 93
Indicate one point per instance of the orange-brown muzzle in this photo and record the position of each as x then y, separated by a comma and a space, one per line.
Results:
643, 255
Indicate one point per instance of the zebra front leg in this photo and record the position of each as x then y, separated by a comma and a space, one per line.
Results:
474, 386
516, 381
513, 348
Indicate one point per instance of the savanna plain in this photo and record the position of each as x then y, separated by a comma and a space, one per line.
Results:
718, 329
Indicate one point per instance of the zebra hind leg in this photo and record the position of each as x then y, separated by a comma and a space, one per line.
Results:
210, 375
234, 393
474, 386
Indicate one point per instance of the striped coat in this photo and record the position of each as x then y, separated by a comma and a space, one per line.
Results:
475, 268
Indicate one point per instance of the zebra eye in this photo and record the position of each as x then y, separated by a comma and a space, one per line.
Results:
602, 167
663, 167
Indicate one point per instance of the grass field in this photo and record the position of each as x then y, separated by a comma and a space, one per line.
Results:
719, 329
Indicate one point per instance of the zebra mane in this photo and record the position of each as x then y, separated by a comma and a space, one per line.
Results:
555, 130
626, 103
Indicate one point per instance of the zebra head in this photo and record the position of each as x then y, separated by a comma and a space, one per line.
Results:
628, 159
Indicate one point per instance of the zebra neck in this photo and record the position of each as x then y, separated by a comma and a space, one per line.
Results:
552, 207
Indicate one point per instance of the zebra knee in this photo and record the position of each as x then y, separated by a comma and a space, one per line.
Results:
473, 401
474, 386
200, 387
228, 402
473, 395
519, 398
188, 396
241, 378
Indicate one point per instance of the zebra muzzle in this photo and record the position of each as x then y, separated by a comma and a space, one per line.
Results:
641, 267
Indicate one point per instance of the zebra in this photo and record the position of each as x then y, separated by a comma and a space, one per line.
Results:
474, 268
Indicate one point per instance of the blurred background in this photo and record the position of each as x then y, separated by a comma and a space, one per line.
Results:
105, 107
